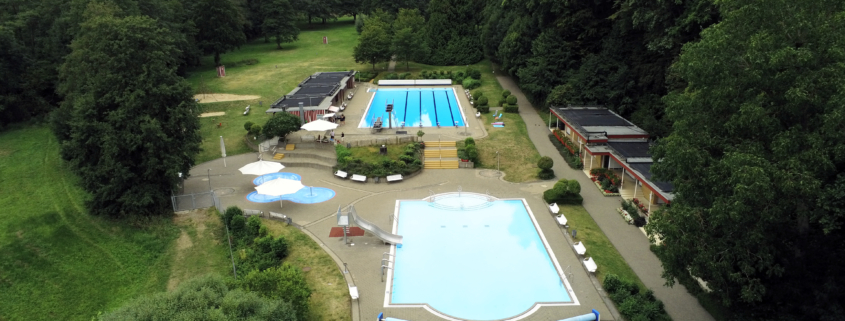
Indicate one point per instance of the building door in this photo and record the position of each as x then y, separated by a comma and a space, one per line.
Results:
605, 161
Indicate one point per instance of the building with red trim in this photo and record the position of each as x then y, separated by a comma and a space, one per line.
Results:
316, 94
606, 140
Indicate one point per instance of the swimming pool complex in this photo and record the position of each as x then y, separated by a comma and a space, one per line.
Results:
414, 107
473, 257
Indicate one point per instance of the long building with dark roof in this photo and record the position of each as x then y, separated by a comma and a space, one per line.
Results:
606, 140
316, 94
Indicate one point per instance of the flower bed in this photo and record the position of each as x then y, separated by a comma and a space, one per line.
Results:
625, 215
642, 207
606, 180
604, 191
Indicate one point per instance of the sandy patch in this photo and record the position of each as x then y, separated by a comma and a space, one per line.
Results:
213, 98
216, 113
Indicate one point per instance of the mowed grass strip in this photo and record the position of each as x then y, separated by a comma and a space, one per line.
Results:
517, 155
201, 247
607, 258
58, 262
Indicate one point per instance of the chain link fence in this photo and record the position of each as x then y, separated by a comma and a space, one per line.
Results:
189, 202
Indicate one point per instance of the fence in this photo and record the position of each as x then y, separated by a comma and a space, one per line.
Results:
377, 141
189, 202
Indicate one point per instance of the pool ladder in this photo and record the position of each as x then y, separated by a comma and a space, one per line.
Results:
385, 258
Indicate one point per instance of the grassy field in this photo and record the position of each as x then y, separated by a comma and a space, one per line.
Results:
199, 249
329, 294
517, 155
58, 262
370, 154
598, 246
275, 74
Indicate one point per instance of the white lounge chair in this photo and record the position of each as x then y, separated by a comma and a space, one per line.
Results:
561, 219
477, 114
580, 248
341, 174
554, 208
590, 265
394, 178
359, 178
353, 292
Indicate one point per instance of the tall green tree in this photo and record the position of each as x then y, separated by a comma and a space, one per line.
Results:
127, 123
374, 44
280, 21
408, 37
220, 26
757, 156
452, 32
281, 125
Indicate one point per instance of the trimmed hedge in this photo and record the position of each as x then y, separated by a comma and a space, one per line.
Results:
572, 160
564, 192
512, 109
482, 101
633, 304
471, 83
483, 109
506, 93
511, 100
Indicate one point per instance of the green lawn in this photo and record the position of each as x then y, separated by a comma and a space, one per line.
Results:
276, 74
58, 262
607, 258
370, 154
517, 155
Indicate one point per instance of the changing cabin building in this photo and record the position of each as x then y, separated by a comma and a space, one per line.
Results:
606, 140
316, 94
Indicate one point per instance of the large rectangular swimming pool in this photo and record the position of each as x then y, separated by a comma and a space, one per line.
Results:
414, 107
471, 259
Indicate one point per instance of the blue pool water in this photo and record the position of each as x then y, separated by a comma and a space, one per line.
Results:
269, 177
415, 107
307, 195
482, 262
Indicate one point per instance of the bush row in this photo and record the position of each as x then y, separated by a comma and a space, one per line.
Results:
564, 192
365, 76
629, 207
258, 259
469, 151
571, 159
409, 162
632, 303
393, 75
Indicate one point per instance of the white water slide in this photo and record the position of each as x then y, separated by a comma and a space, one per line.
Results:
372, 228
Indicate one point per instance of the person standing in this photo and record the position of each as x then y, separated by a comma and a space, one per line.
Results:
332, 135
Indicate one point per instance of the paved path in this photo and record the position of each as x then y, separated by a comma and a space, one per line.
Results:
630, 242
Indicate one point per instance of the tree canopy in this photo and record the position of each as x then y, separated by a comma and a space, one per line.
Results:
757, 155
203, 298
281, 125
374, 44
220, 26
127, 124
280, 21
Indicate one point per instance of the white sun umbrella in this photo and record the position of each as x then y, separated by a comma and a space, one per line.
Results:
279, 187
261, 167
319, 126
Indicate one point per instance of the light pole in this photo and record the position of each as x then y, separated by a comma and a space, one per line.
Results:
497, 162
209, 178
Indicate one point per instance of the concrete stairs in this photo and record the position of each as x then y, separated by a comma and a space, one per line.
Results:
440, 155
324, 158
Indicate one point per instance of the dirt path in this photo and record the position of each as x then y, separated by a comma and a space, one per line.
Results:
215, 98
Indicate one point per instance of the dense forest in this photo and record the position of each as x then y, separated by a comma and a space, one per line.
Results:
745, 99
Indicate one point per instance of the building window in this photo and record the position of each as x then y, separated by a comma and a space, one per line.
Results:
568, 131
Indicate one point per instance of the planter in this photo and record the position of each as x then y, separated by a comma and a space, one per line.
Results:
464, 160
625, 215
605, 192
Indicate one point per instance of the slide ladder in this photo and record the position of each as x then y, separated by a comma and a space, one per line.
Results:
372, 228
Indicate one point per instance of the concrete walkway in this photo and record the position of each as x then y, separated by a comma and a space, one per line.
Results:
630, 241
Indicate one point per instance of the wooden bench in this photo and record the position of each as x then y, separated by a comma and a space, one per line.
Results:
394, 178
359, 178
341, 174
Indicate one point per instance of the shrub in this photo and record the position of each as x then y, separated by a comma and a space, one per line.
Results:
477, 94
572, 160
546, 174
284, 283
255, 129
511, 100
472, 153
501, 102
406, 159
633, 304
406, 75
391, 75
481, 102
231, 212
470, 83
545, 163
506, 93
564, 192
253, 226
484, 109
248, 126
238, 227
512, 109
469, 141
474, 73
